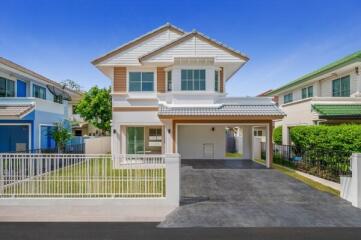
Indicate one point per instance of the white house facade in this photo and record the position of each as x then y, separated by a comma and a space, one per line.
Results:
168, 96
330, 95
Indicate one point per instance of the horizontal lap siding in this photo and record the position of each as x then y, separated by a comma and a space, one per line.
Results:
160, 79
130, 56
120, 79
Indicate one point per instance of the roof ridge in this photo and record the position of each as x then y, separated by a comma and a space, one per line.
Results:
193, 33
23, 69
339, 62
141, 37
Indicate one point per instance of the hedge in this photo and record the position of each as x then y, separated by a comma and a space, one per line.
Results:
277, 135
346, 137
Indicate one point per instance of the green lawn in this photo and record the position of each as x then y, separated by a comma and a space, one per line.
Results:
94, 179
292, 173
233, 155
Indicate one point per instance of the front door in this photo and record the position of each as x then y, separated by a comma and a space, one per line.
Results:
46, 139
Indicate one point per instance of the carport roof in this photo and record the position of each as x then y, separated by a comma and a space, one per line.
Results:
236, 110
15, 111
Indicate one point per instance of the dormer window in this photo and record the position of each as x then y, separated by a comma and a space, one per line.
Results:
141, 82
193, 80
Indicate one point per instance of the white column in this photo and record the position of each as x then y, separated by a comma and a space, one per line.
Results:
358, 82
356, 180
172, 184
285, 135
269, 153
115, 139
168, 136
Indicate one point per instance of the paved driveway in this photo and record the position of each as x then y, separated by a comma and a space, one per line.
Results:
232, 193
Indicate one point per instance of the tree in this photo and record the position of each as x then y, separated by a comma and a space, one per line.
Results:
96, 107
277, 135
61, 135
71, 85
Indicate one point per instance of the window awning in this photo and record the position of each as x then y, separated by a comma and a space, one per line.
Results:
15, 112
59, 92
338, 110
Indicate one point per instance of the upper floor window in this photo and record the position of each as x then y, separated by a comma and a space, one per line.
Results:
169, 81
141, 81
307, 92
39, 92
288, 98
58, 99
7, 88
216, 81
341, 87
193, 79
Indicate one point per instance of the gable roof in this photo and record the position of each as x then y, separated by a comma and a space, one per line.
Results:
328, 68
34, 74
189, 36
138, 40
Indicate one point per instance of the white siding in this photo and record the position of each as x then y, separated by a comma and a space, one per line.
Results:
130, 56
191, 140
194, 47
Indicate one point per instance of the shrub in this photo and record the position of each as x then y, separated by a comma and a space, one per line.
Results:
277, 135
346, 137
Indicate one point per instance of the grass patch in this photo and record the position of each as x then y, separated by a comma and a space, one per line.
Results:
234, 155
96, 178
292, 173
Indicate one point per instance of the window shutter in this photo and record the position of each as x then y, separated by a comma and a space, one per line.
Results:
221, 80
160, 79
120, 79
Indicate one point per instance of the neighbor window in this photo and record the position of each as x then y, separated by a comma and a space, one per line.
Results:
58, 99
216, 81
258, 133
141, 81
39, 92
144, 140
307, 92
169, 81
7, 88
193, 80
341, 87
288, 98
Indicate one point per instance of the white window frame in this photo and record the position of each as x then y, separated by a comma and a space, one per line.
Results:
129, 70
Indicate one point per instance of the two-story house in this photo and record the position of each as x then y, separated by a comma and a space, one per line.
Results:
329, 95
30, 105
168, 96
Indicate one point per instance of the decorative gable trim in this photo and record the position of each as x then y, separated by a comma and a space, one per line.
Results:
189, 36
137, 41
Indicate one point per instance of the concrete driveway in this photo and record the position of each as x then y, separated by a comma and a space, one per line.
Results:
241, 193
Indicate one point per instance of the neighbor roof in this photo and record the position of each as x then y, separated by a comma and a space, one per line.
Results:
15, 111
137, 41
189, 36
328, 68
33, 74
337, 109
224, 110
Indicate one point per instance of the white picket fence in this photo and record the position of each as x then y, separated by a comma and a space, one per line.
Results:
84, 176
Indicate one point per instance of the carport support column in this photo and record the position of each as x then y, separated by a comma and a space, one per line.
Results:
356, 179
269, 151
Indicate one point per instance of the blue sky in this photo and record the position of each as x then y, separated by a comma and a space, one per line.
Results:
284, 39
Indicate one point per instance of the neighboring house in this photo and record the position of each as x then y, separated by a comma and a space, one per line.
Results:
168, 96
30, 104
329, 95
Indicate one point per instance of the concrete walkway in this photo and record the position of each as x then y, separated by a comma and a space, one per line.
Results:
245, 194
